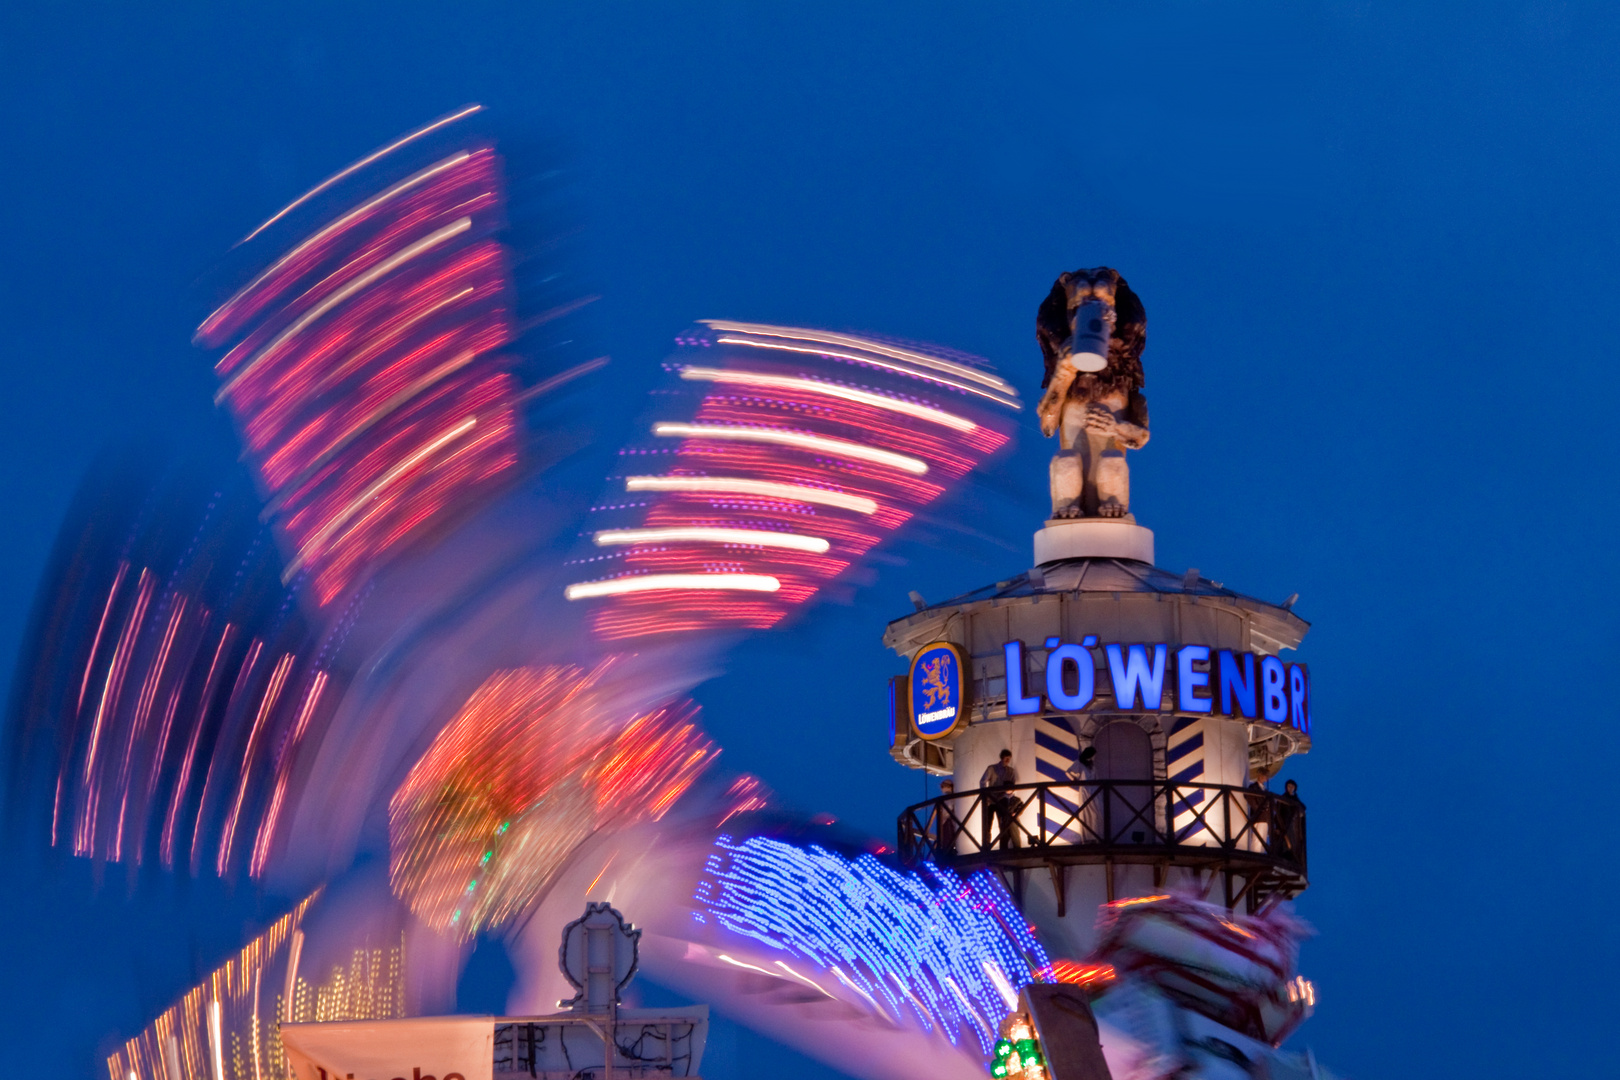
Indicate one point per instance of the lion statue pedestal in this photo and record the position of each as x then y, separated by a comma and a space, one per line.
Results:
1093, 538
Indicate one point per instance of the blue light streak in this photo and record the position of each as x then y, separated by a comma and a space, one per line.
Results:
911, 945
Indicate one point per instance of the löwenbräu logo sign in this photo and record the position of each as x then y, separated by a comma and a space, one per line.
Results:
936, 689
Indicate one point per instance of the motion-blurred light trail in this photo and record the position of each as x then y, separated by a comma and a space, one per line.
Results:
816, 386
231, 682
361, 362
212, 325
371, 276
534, 763
664, 582
185, 1041
841, 443
869, 345
764, 489
702, 535
369, 159
164, 710
929, 945
810, 350
816, 443
342, 517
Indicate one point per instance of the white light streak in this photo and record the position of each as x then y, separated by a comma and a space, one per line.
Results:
880, 1010
820, 444
546, 386
588, 590
923, 1011
216, 1039
1003, 987
969, 1008
783, 965
764, 489
820, 350
816, 386
362, 163
701, 534
382, 269
343, 222
294, 952
750, 967
984, 378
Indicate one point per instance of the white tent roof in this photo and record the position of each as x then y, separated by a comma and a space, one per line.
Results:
441, 1047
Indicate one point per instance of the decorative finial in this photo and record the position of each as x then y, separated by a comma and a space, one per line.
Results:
1092, 329
599, 955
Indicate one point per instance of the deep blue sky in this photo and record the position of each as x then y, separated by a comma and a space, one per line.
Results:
1377, 243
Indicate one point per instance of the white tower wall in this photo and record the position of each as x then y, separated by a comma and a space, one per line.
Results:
1120, 599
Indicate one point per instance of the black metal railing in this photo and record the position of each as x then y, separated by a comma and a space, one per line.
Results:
1100, 820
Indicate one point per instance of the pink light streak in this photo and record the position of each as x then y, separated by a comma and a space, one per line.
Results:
860, 420
367, 375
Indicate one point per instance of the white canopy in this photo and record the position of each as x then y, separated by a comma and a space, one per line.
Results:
436, 1047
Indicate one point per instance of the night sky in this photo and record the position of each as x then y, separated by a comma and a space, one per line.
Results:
1377, 245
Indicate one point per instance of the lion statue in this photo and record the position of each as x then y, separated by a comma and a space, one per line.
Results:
1092, 329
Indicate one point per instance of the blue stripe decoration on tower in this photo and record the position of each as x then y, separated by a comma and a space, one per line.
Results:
1184, 764
1056, 752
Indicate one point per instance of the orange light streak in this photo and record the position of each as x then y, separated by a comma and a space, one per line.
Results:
210, 684
95, 645
267, 704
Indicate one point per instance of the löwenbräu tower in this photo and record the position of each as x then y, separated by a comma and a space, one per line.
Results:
1144, 710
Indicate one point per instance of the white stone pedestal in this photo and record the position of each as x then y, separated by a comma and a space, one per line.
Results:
1093, 538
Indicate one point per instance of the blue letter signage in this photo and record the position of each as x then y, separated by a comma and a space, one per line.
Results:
1018, 702
1085, 675
937, 690
1151, 677
1189, 678
1142, 677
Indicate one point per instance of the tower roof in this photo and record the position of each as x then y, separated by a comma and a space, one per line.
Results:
1278, 626
1106, 575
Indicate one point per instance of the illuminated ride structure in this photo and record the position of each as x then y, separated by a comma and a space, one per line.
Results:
1144, 711
234, 685
594, 1036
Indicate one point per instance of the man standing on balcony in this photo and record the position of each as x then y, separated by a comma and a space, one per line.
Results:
1289, 813
1085, 809
996, 783
942, 823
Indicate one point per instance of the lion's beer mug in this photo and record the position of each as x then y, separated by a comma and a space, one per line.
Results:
1093, 328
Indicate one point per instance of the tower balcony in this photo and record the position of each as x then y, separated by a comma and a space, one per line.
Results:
1250, 842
